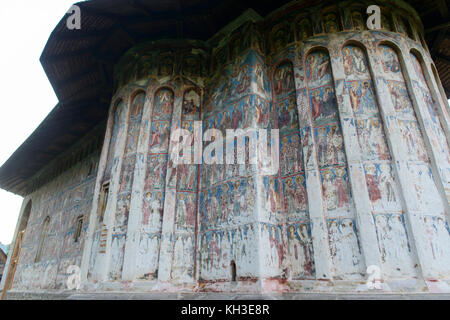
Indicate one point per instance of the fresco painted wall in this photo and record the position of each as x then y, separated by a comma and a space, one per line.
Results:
228, 224
384, 193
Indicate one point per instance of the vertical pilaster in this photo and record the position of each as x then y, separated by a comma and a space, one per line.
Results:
259, 207
437, 93
364, 220
438, 153
316, 206
137, 194
414, 218
93, 217
114, 188
168, 223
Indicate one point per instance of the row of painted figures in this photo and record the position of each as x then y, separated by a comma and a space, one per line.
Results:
231, 203
295, 259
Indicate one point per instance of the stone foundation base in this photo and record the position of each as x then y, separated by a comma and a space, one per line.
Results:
222, 296
248, 290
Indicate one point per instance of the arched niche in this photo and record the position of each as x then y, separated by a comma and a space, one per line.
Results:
331, 20
303, 28
117, 118
440, 87
280, 36
42, 239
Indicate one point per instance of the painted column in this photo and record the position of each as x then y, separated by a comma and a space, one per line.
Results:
122, 211
229, 219
439, 94
168, 222
353, 153
442, 103
337, 200
183, 261
114, 188
90, 246
316, 206
5, 276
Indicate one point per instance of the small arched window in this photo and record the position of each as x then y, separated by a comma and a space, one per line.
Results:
42, 239
385, 21
103, 201
233, 271
25, 217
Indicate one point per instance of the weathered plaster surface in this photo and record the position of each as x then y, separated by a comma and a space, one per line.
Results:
363, 178
64, 200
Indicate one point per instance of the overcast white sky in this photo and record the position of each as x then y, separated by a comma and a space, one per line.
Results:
27, 96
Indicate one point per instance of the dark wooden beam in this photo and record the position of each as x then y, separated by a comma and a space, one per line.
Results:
141, 7
442, 26
443, 58
78, 75
443, 8
79, 34
435, 47
66, 56
447, 92
103, 75
88, 7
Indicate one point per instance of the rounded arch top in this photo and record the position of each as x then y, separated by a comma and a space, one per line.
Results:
315, 49
163, 59
136, 92
25, 216
280, 64
356, 43
118, 101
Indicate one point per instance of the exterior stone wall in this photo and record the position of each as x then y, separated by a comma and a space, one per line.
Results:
45, 256
364, 164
